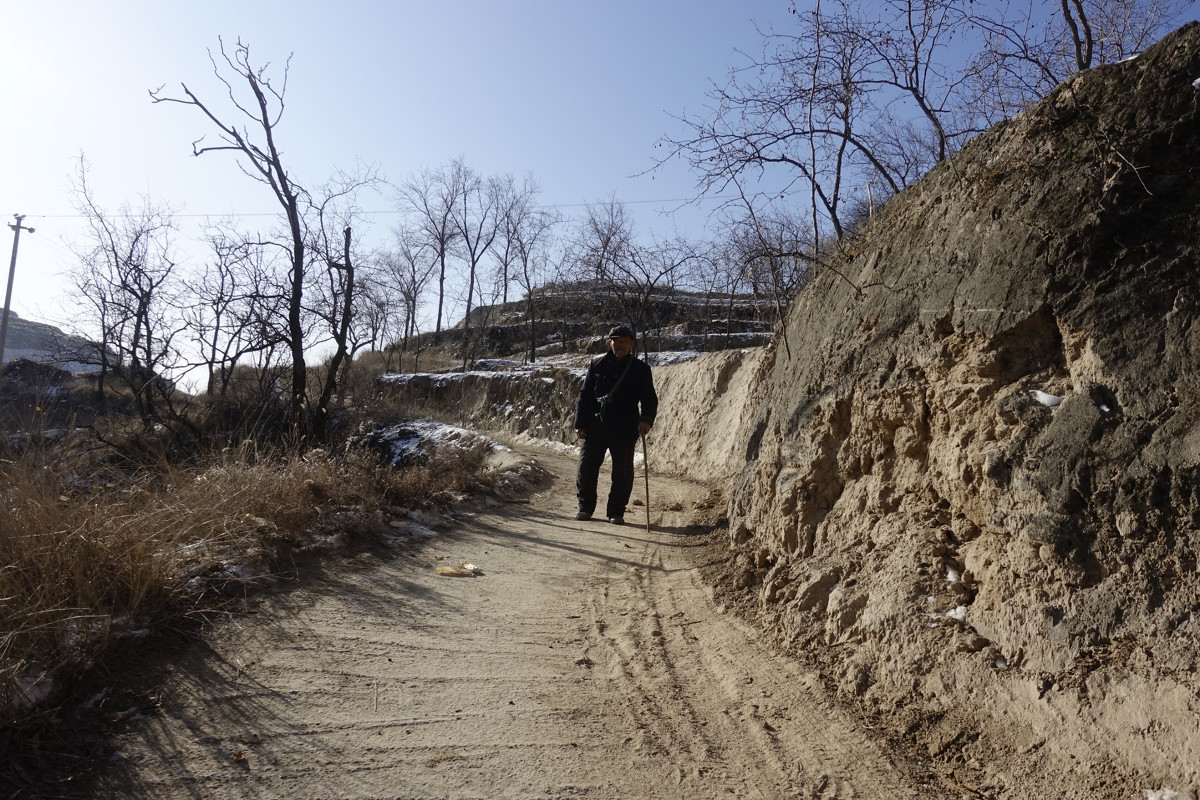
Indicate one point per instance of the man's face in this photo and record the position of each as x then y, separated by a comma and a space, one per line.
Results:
621, 346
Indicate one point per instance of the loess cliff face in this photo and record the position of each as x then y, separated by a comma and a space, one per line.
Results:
899, 464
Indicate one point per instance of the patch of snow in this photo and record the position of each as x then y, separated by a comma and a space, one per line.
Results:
414, 529
496, 364
575, 364
952, 575
32, 689
1001, 663
959, 613
408, 440
96, 699
671, 357
1167, 794
548, 444
1196, 84
1045, 398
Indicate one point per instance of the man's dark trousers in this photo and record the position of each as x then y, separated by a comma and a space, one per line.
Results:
595, 445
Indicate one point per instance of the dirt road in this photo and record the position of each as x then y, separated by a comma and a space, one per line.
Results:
588, 660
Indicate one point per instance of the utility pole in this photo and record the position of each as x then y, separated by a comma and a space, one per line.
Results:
12, 271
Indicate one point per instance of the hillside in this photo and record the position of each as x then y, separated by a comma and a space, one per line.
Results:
46, 344
573, 318
970, 497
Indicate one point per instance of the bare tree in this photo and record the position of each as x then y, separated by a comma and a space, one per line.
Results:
911, 51
256, 105
476, 219
1026, 49
334, 290
527, 232
648, 273
127, 272
567, 283
373, 318
799, 119
237, 308
252, 138
606, 233
862, 98
775, 255
595, 259
716, 277
336, 312
509, 199
432, 198
406, 268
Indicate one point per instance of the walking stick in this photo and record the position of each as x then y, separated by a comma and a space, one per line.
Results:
646, 472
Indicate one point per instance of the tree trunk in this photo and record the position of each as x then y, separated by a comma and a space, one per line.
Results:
296, 321
321, 412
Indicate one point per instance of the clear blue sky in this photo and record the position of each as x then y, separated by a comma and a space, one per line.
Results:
575, 93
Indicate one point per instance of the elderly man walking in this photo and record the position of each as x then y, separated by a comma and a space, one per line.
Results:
616, 404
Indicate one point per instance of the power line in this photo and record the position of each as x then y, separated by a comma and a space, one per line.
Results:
52, 245
386, 212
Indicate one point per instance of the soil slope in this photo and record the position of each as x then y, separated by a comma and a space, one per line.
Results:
972, 489
587, 660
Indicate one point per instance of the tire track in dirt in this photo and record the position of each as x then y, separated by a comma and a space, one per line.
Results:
703, 690
587, 661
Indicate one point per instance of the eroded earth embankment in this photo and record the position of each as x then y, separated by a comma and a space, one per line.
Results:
972, 486
965, 478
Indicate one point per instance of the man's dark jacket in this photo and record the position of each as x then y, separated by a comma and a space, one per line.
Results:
622, 416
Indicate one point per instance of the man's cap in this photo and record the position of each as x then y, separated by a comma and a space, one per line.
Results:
621, 330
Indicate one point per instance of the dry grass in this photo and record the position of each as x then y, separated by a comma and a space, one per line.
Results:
90, 557
376, 363
112, 530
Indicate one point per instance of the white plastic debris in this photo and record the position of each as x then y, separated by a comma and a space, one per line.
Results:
959, 613
1045, 398
463, 570
1104, 408
1001, 663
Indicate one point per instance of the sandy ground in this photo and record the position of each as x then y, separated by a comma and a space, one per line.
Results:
587, 660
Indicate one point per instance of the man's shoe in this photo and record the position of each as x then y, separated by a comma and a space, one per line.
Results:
584, 515
617, 520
